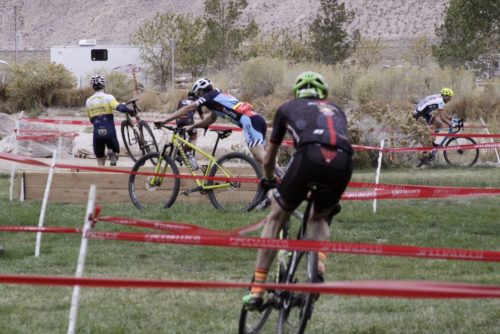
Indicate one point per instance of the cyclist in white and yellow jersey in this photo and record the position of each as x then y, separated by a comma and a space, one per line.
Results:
100, 107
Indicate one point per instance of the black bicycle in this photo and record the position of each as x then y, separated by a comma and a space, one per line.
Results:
136, 134
291, 267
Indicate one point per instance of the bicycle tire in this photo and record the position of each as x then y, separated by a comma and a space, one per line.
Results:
142, 193
461, 158
140, 144
238, 196
297, 307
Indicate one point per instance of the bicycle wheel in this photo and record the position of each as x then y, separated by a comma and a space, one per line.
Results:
297, 307
235, 195
148, 191
138, 142
460, 157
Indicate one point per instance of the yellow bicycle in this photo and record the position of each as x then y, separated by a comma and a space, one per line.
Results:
230, 182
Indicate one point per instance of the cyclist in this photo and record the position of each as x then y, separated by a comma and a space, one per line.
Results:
241, 114
188, 119
431, 108
323, 155
100, 108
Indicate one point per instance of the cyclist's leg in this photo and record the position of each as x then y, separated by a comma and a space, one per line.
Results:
272, 227
99, 148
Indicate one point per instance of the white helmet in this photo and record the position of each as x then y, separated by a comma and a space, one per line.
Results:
202, 83
97, 81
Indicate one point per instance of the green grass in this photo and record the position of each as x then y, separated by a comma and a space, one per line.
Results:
471, 223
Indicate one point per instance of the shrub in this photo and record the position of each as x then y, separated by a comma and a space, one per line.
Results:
34, 85
260, 76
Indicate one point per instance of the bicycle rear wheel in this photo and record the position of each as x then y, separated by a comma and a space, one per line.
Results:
460, 157
139, 142
297, 307
235, 195
150, 191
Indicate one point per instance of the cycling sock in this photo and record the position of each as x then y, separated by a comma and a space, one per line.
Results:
260, 277
321, 262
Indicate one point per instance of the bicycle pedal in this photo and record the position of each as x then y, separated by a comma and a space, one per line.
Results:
192, 190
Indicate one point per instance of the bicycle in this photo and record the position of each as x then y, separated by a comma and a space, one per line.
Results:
136, 134
295, 308
454, 157
231, 195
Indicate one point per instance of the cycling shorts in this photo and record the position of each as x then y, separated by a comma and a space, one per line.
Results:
185, 121
105, 136
254, 129
312, 163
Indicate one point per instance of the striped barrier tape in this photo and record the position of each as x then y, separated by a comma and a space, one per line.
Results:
399, 289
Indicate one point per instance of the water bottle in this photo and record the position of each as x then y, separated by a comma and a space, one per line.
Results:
192, 160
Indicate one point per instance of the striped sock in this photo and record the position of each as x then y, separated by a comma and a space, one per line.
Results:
260, 277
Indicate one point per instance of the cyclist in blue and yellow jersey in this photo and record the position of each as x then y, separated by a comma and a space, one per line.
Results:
431, 108
323, 155
100, 107
241, 114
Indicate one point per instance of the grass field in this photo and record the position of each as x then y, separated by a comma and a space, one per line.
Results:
471, 223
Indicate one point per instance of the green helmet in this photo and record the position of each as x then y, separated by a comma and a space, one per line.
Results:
447, 92
310, 85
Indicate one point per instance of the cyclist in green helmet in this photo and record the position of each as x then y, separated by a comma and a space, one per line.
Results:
323, 155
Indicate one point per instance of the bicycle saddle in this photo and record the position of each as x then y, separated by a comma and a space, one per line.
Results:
223, 133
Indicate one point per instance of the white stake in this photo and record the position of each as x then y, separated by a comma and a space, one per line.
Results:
377, 176
44, 203
75, 299
491, 140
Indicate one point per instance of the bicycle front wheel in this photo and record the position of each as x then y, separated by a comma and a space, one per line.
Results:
297, 307
237, 195
138, 141
461, 157
148, 190
149, 141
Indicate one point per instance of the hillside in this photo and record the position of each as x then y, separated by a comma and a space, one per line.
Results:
45, 23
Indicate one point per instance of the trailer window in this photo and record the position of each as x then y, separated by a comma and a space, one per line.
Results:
99, 54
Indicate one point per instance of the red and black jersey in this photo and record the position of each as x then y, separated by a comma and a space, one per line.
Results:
312, 121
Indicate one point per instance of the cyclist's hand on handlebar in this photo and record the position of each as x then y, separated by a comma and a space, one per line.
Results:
267, 184
158, 125
456, 122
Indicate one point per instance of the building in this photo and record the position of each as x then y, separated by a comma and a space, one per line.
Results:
88, 58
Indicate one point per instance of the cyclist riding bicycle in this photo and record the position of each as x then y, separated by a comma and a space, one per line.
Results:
241, 114
188, 119
100, 108
431, 108
323, 155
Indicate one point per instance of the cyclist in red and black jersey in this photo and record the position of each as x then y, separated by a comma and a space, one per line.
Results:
323, 155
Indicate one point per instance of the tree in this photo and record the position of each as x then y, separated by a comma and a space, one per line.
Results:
155, 39
223, 36
470, 29
329, 40
420, 52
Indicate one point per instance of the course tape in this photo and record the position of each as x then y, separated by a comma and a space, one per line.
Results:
381, 191
466, 135
179, 228
302, 245
399, 289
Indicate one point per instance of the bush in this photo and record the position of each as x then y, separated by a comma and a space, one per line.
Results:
33, 86
260, 77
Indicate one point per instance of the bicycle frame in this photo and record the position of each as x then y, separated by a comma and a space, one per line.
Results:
180, 144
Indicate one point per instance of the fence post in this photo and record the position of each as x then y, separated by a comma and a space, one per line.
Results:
44, 203
491, 139
87, 226
12, 146
377, 176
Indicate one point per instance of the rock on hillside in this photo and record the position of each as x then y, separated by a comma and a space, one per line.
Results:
42, 24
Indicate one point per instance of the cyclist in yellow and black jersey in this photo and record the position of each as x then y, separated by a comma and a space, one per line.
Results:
100, 107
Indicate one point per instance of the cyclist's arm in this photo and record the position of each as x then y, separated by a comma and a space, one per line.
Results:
205, 122
443, 115
122, 107
270, 160
181, 112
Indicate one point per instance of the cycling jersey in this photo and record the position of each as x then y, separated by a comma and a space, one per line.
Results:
324, 153
239, 113
187, 119
312, 122
100, 107
427, 105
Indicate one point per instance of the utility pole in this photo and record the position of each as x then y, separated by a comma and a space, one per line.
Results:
15, 35
172, 49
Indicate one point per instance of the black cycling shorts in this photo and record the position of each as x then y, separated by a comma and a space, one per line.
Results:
331, 167
105, 137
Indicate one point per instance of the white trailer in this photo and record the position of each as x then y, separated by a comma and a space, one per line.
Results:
88, 58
